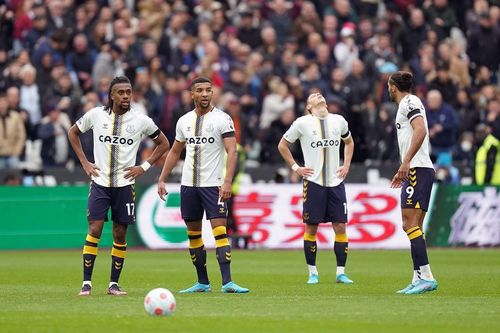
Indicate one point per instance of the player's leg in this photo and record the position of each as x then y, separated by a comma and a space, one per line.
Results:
216, 211
337, 212
415, 196
123, 215
192, 213
341, 247
118, 253
310, 250
314, 212
89, 254
97, 212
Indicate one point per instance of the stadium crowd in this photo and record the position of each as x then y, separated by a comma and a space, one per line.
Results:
57, 58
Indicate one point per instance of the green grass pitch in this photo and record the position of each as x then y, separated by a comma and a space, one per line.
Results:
38, 293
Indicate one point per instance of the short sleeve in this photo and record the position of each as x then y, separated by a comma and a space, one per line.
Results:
150, 128
411, 108
344, 130
179, 135
227, 129
85, 123
293, 132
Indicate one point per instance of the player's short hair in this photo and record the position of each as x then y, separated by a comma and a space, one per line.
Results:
116, 80
200, 79
402, 80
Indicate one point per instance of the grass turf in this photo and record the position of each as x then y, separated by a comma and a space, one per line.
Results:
38, 293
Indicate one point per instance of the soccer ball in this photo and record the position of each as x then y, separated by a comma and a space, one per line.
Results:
159, 302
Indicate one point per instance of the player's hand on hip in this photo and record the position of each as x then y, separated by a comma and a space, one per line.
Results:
305, 172
91, 169
162, 190
342, 172
133, 172
225, 191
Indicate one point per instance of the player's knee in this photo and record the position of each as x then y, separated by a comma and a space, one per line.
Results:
311, 229
339, 228
95, 230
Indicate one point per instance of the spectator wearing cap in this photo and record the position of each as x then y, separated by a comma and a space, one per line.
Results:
55, 45
484, 44
37, 31
108, 63
442, 123
248, 33
12, 134
346, 51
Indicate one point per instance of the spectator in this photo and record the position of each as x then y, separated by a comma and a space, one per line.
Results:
346, 51
414, 34
30, 99
52, 131
275, 103
273, 135
442, 124
441, 17
12, 133
484, 44
248, 33
80, 61
108, 63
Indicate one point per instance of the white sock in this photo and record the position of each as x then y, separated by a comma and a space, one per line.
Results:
112, 283
416, 276
312, 270
340, 270
425, 273
87, 282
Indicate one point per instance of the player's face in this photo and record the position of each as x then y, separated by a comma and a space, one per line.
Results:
316, 101
392, 90
121, 95
202, 94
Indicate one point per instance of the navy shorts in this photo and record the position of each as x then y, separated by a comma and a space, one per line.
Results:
323, 204
416, 190
196, 200
121, 200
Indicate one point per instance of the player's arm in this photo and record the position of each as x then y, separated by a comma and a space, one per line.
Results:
74, 138
348, 152
172, 158
232, 158
417, 139
161, 148
284, 149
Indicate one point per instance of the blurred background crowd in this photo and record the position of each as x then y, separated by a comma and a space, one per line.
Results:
57, 58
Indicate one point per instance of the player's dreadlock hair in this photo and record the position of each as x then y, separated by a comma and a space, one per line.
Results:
117, 79
402, 80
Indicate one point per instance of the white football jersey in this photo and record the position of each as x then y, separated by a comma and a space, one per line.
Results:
409, 108
320, 142
204, 135
116, 141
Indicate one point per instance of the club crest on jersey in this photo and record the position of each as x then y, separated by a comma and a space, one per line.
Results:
210, 128
130, 129
188, 129
325, 143
199, 140
115, 140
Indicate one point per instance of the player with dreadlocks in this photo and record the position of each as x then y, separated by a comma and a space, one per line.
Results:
117, 131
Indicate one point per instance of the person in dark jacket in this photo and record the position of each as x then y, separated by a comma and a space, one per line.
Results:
442, 123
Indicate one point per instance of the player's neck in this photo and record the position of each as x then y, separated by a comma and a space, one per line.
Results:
200, 111
400, 96
118, 110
